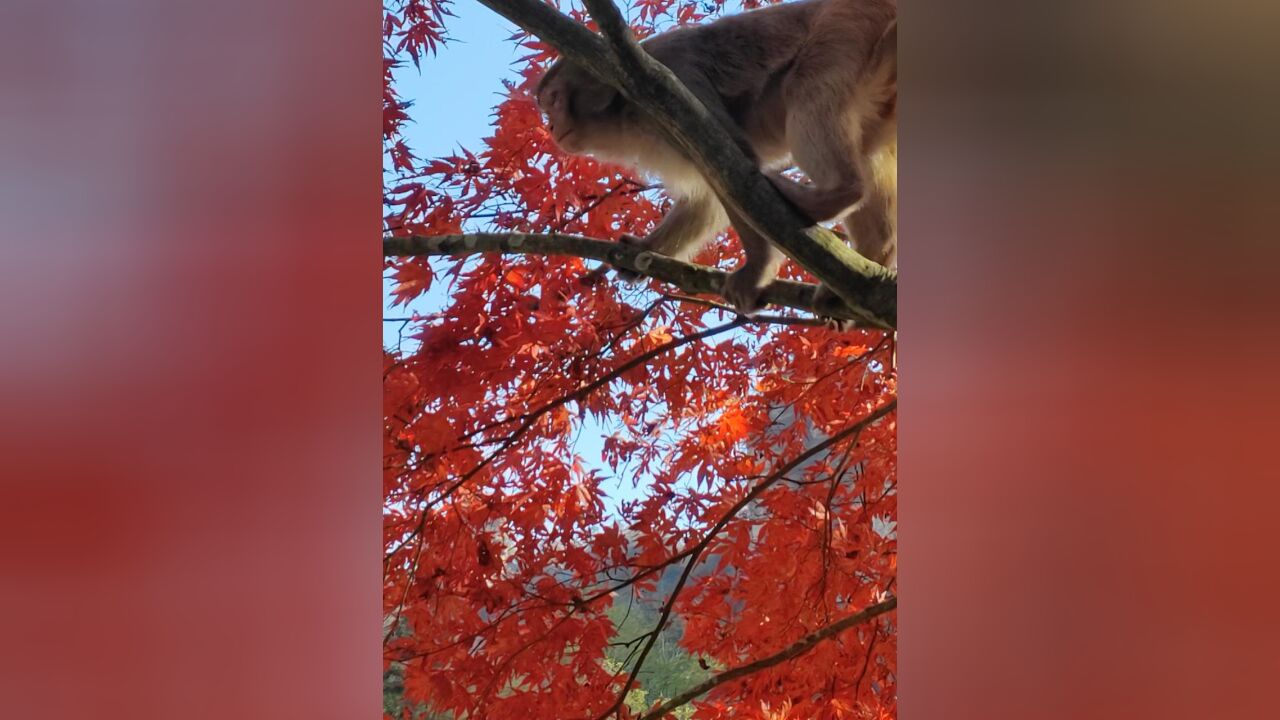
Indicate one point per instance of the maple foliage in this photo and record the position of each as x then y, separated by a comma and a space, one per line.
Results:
755, 459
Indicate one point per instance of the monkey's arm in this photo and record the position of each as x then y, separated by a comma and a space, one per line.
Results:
690, 224
686, 228
743, 287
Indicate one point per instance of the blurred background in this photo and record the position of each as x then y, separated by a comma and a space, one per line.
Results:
190, 203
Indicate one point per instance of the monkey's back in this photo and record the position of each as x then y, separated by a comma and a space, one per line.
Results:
734, 51
752, 59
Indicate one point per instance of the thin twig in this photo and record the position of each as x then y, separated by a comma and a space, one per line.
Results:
665, 614
800, 647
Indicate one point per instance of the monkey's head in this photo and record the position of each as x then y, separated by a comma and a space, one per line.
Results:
584, 114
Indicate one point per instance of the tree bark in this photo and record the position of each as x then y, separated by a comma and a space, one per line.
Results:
690, 278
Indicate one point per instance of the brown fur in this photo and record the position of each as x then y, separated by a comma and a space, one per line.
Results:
811, 83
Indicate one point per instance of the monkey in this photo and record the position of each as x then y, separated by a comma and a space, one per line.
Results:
811, 83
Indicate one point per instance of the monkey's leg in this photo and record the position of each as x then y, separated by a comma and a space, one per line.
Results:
816, 203
873, 227
686, 228
827, 149
838, 99
743, 286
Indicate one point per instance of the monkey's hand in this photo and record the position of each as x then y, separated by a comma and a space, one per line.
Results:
744, 286
630, 276
826, 304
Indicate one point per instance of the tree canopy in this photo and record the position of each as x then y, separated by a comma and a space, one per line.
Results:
586, 480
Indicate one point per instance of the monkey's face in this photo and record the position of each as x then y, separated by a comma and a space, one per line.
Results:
583, 114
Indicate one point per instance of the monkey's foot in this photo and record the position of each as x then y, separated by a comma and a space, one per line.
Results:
826, 304
743, 289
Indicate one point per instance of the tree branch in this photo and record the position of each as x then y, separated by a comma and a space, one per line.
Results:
694, 131
691, 278
854, 430
800, 647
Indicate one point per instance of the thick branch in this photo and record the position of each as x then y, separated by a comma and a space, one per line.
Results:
562, 31
800, 647
709, 145
691, 278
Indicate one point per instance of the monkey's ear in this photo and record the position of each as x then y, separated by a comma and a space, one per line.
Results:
595, 97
